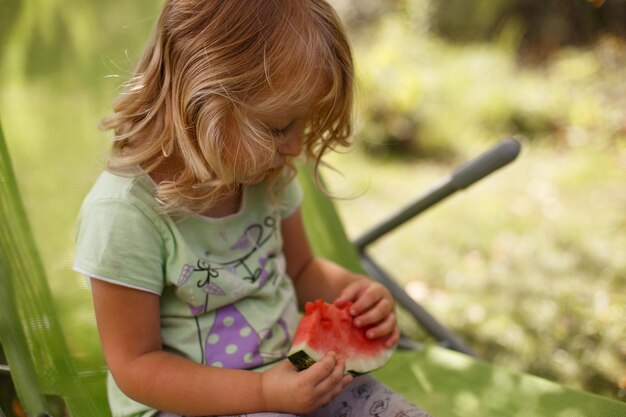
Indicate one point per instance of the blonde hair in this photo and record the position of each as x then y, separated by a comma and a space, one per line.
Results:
208, 68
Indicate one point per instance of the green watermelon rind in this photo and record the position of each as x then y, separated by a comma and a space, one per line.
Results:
302, 357
301, 360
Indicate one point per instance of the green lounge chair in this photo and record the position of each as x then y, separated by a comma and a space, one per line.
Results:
40, 362
445, 382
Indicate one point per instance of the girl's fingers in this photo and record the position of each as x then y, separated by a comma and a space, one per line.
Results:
333, 379
393, 339
320, 371
379, 311
330, 387
350, 293
382, 329
370, 297
372, 306
345, 380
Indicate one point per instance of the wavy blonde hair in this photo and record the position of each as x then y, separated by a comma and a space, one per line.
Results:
209, 67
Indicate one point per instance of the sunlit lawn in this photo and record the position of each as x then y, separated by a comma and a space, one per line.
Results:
529, 265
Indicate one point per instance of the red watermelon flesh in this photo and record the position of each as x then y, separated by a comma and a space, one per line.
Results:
325, 328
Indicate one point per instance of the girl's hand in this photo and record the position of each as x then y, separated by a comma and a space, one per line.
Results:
373, 307
287, 390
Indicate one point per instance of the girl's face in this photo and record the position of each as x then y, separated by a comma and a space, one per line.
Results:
287, 133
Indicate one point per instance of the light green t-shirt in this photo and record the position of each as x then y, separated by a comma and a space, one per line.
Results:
226, 299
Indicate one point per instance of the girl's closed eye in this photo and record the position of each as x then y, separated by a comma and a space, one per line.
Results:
280, 131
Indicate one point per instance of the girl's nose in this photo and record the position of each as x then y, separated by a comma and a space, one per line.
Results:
292, 146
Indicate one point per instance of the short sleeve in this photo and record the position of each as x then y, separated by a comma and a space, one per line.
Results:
117, 242
291, 198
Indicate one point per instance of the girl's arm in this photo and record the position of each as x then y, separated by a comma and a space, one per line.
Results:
129, 326
317, 278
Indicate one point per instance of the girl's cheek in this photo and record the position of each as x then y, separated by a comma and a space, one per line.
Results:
249, 161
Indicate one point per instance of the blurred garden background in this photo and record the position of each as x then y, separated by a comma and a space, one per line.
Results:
529, 266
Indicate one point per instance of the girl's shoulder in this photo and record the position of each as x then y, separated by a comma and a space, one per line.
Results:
117, 197
132, 187
120, 236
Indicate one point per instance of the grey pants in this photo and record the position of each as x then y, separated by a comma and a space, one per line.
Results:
363, 397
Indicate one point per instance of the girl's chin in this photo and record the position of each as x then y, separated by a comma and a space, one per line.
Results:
263, 175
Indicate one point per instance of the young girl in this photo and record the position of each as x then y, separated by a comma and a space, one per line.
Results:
193, 237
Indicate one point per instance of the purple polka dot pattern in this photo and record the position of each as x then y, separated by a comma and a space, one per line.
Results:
232, 342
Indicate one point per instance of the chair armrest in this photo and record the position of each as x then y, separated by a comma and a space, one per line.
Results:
462, 177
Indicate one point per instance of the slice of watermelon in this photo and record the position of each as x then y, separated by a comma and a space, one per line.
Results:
325, 328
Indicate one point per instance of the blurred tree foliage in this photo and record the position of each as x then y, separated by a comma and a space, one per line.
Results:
542, 26
439, 76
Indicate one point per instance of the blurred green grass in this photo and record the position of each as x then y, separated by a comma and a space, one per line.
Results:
529, 266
